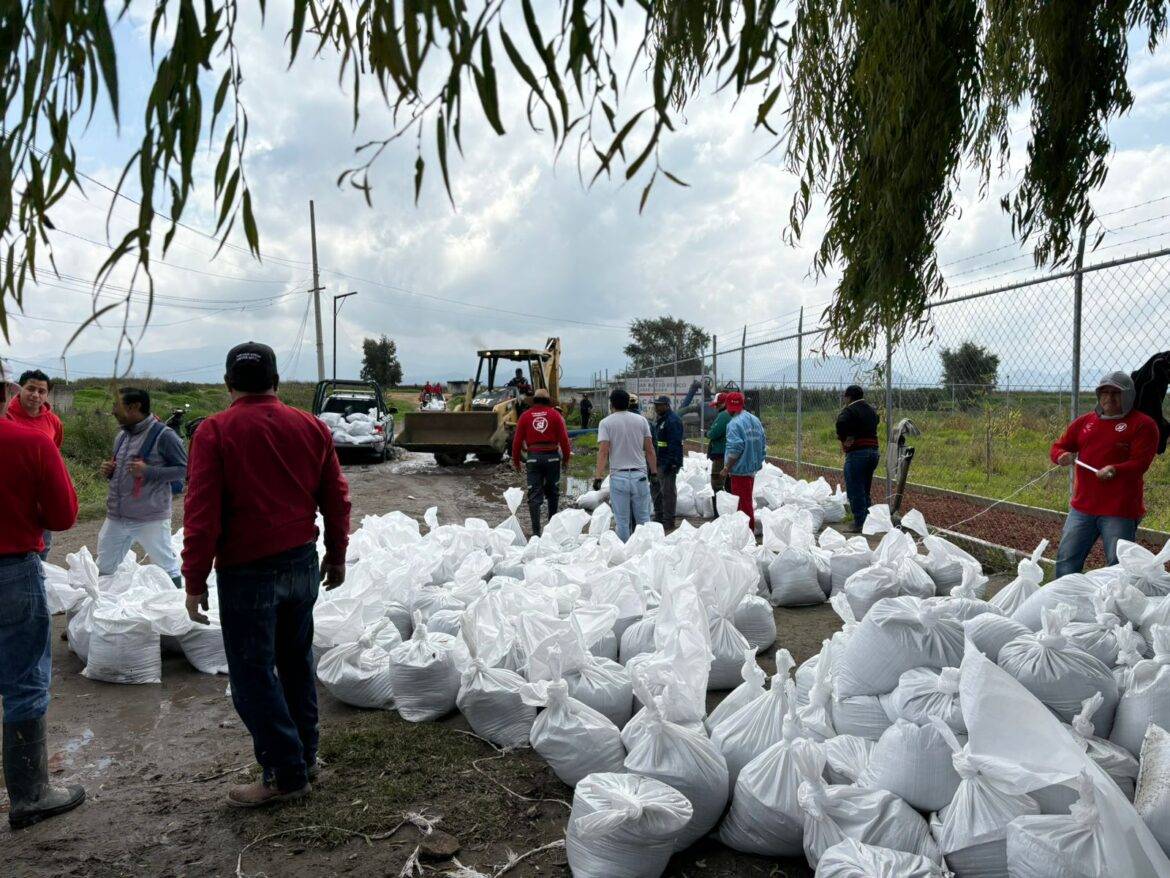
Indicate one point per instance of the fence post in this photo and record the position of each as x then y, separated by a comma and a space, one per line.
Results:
715, 363
742, 354
889, 412
702, 393
674, 382
800, 391
1075, 400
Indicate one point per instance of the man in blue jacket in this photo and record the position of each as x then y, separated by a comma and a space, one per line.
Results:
148, 465
744, 455
668, 446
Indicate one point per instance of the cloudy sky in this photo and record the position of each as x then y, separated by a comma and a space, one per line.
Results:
528, 251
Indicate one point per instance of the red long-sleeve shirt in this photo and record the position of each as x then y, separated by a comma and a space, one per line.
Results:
258, 473
541, 428
1127, 444
37, 495
46, 422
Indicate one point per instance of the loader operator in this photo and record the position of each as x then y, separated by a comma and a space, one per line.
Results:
520, 383
541, 430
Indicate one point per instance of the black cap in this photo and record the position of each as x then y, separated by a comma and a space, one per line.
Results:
663, 400
251, 367
854, 392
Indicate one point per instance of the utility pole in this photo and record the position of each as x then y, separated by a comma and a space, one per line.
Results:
800, 391
317, 295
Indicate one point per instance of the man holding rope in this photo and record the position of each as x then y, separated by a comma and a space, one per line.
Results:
1111, 448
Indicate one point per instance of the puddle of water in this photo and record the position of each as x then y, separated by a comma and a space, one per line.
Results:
575, 487
73, 746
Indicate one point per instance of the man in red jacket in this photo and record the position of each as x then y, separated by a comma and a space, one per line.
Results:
541, 430
1111, 448
30, 408
41, 498
258, 473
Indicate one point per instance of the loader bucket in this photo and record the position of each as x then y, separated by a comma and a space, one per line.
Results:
452, 432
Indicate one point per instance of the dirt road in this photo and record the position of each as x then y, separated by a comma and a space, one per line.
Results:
157, 760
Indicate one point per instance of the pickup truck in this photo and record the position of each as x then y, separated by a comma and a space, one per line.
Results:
357, 415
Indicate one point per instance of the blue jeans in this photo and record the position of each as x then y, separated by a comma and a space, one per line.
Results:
26, 628
117, 537
629, 496
859, 469
266, 612
1081, 532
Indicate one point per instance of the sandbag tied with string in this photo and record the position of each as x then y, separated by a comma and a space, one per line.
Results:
624, 826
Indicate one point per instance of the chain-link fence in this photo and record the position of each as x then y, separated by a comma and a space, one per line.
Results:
996, 377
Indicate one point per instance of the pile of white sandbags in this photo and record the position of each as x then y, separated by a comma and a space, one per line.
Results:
357, 428
120, 625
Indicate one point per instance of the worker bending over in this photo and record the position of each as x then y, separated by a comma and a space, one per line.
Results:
541, 431
259, 472
1115, 445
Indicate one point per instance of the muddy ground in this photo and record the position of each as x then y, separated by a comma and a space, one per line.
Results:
158, 760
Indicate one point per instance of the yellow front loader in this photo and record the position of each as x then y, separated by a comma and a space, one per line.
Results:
483, 419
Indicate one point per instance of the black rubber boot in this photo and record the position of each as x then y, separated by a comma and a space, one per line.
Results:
534, 514
26, 775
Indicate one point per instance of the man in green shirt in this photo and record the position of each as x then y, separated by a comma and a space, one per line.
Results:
717, 443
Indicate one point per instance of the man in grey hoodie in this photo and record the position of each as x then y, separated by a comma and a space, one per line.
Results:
1110, 449
149, 463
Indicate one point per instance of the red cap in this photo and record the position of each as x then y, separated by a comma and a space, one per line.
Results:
734, 402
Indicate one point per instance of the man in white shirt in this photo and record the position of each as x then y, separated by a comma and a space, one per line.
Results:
626, 450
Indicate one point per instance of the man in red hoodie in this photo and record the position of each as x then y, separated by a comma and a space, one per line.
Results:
258, 473
1110, 448
541, 430
41, 499
30, 408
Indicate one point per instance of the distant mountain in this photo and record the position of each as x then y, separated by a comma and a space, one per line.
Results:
823, 372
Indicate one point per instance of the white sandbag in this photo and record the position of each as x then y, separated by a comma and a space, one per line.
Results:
511, 524
749, 690
688, 762
846, 758
446, 621
1007, 723
896, 635
914, 763
600, 520
1097, 637
203, 647
1143, 569
816, 717
851, 859
60, 593
337, 620
1059, 845
358, 673
596, 623
1113, 759
766, 817
591, 500
755, 620
424, 674
877, 817
972, 830
863, 716
623, 826
1146, 701
637, 639
990, 632
1061, 675
727, 643
944, 562
793, 577
757, 725
573, 738
1129, 655
1029, 575
123, 647
605, 686
1075, 590
490, 698
923, 693
1152, 799
846, 557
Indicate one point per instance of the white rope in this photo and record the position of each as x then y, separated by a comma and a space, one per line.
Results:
1018, 490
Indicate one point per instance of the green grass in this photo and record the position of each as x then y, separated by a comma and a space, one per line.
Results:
584, 460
